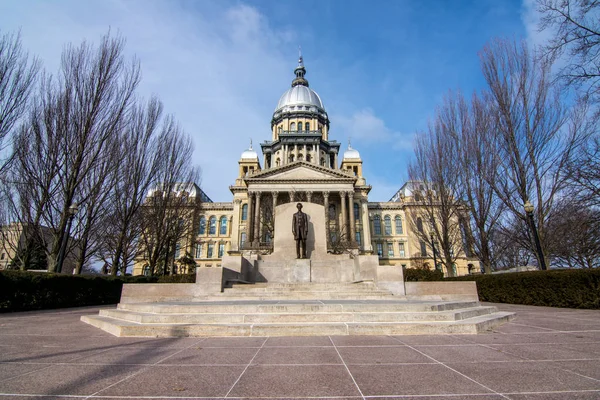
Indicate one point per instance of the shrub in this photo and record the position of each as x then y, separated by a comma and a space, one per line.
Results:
419, 275
556, 288
21, 291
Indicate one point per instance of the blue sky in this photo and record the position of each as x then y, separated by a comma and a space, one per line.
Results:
380, 67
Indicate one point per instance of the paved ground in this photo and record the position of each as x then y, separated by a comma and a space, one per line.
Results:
545, 353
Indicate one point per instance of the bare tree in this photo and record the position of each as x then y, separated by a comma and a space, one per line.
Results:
94, 92
17, 81
436, 218
535, 136
575, 229
576, 33
470, 126
168, 213
134, 177
30, 183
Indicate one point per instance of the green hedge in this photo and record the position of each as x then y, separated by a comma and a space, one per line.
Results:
557, 288
21, 291
419, 275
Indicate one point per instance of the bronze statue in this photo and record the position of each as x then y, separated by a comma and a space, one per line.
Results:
300, 231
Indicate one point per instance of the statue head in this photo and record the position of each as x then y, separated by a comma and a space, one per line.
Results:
299, 206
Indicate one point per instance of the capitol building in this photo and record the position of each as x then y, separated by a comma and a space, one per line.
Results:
300, 162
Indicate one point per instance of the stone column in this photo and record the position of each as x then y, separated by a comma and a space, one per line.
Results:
315, 154
335, 161
250, 220
344, 229
257, 220
367, 246
274, 194
352, 221
326, 203
292, 197
296, 152
309, 196
235, 225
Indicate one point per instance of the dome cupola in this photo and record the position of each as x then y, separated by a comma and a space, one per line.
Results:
249, 154
350, 153
300, 101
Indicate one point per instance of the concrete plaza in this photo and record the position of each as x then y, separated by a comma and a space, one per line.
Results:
545, 353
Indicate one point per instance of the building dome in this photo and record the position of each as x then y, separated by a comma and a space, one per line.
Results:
351, 154
301, 98
249, 154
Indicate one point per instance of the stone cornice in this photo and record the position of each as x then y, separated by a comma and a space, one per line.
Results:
335, 173
217, 206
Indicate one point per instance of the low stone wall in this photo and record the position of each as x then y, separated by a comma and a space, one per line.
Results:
443, 290
156, 292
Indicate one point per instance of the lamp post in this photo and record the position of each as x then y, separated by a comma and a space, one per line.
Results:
63, 246
433, 248
538, 246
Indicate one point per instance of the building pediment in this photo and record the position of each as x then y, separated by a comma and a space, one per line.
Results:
300, 171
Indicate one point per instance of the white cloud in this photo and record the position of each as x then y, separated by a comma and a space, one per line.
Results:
364, 127
531, 20
220, 71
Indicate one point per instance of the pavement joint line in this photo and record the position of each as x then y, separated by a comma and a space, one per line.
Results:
247, 366
347, 369
144, 369
50, 365
453, 370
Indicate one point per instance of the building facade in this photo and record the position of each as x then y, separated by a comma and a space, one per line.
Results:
301, 163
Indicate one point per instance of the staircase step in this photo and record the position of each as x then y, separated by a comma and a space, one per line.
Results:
274, 306
212, 318
126, 328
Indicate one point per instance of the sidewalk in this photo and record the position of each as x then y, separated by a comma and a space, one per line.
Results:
545, 353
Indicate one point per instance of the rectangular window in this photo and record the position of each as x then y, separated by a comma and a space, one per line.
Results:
423, 249
357, 237
177, 251
211, 248
199, 250
390, 250
221, 249
380, 249
401, 252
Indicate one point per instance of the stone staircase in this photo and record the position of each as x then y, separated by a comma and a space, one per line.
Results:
299, 309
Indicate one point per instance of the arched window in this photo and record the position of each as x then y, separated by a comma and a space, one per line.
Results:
199, 250
293, 126
243, 240
244, 212
388, 225
377, 225
202, 228
277, 162
308, 158
291, 158
356, 212
307, 126
399, 230
300, 157
177, 252
223, 225
280, 129
299, 126
420, 225
323, 162
146, 270
212, 225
